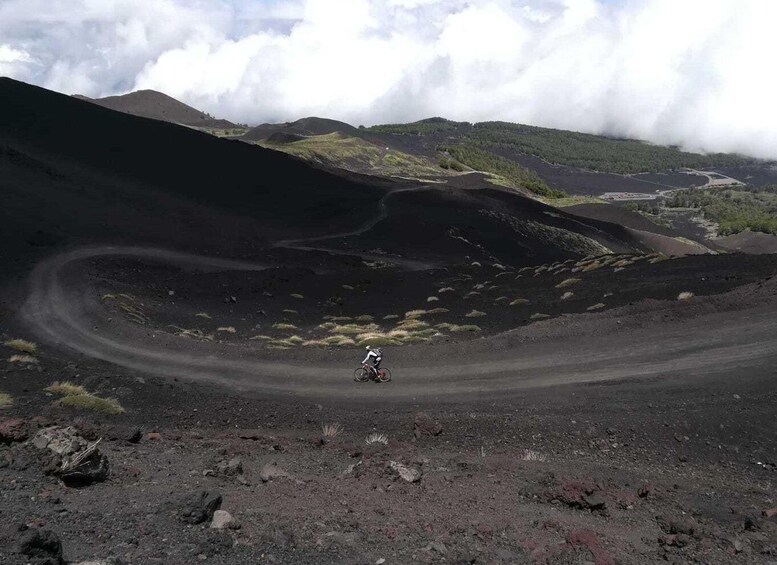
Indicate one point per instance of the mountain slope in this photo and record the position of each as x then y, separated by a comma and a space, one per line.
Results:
355, 154
78, 171
73, 172
304, 127
159, 106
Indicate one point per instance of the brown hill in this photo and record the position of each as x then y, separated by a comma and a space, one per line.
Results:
158, 106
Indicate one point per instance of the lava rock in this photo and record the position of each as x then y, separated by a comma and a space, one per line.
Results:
425, 425
198, 507
223, 519
74, 460
41, 547
12, 430
678, 525
272, 471
409, 474
230, 468
129, 434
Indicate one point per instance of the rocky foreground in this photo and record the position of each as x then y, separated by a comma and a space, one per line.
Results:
617, 473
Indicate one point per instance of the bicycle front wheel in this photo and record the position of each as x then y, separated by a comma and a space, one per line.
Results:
361, 375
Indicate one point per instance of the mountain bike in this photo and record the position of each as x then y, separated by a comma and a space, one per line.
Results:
365, 373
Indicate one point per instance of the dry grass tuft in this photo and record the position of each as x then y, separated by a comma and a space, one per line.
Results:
334, 340
415, 313
685, 296
391, 317
284, 327
432, 299
331, 430
374, 438
23, 359
227, 329
297, 296
365, 318
290, 311
519, 302
412, 324
94, 403
567, 282
376, 340
22, 346
347, 287
354, 329
531, 455
5, 401
475, 314
338, 318
438, 311
263, 338
567, 295
203, 315
66, 388
598, 306
539, 316
446, 289
455, 328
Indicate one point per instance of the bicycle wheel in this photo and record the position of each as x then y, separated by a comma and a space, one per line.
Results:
361, 375
384, 375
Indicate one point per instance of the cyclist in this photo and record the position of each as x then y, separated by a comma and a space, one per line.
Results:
376, 355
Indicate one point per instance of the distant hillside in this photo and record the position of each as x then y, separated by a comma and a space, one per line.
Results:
304, 127
159, 106
591, 152
357, 155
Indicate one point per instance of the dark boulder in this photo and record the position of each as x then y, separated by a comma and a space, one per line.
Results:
198, 507
41, 547
425, 425
12, 430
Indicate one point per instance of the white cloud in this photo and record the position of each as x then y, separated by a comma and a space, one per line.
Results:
693, 72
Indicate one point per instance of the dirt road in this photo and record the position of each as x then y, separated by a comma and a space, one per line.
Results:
62, 309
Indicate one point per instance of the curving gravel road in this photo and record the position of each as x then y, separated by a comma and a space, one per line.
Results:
62, 309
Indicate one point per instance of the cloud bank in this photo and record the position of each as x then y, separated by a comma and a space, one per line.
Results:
698, 73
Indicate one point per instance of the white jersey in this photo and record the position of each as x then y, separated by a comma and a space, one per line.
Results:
372, 354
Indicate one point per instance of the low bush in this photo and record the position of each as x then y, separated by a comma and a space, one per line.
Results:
22, 346
567, 282
65, 388
94, 403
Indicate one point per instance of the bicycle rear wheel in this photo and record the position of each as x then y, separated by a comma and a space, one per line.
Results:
361, 375
384, 375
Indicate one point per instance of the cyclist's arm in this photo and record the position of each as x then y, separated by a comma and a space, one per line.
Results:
366, 358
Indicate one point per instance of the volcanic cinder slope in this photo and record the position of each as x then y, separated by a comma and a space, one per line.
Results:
561, 392
160, 106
